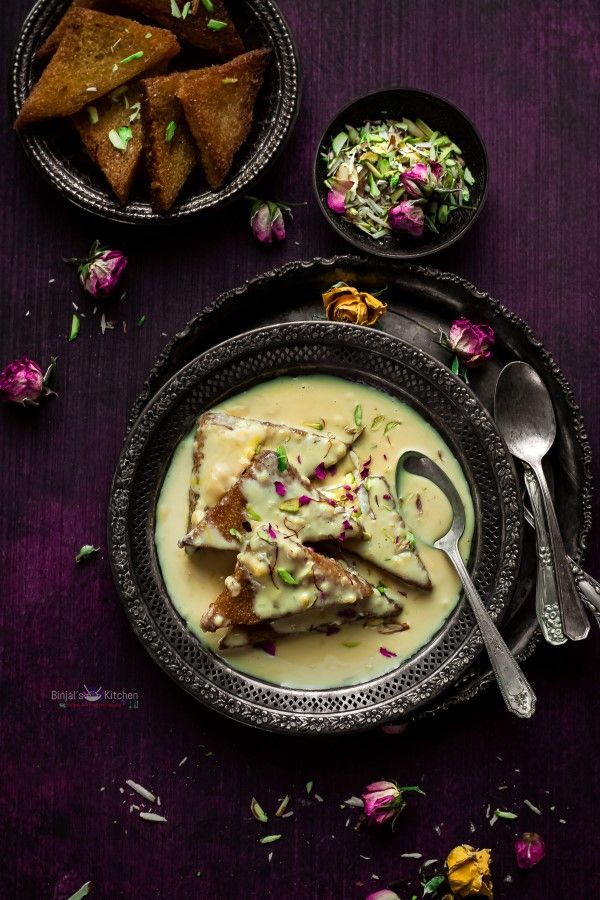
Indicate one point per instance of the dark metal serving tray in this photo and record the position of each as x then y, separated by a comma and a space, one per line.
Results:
421, 302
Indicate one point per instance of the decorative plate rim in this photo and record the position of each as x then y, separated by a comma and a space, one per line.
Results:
92, 198
273, 717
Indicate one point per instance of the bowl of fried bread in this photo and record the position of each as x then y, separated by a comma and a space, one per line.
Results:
151, 111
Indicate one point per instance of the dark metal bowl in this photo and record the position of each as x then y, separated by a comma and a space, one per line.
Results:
55, 150
367, 356
441, 115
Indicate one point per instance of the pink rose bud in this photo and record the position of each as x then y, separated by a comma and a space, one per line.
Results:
407, 217
101, 271
336, 201
384, 801
529, 850
385, 894
267, 222
471, 343
421, 174
22, 381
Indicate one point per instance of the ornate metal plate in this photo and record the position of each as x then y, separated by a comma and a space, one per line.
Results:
421, 302
360, 354
54, 148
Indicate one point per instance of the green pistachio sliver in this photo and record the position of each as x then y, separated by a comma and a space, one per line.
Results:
75, 325
137, 55
257, 811
339, 141
186, 9
377, 422
83, 891
350, 644
381, 588
235, 533
358, 415
135, 112
318, 426
282, 806
373, 189
141, 321
93, 114
309, 786
291, 506
505, 814
85, 551
286, 576
282, 460
229, 80
116, 140
252, 514
468, 177
390, 426
208, 5
175, 11
170, 131
216, 25
270, 838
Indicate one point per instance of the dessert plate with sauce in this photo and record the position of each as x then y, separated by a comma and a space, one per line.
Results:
371, 396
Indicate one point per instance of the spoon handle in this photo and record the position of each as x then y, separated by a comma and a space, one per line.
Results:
589, 588
514, 687
546, 592
574, 620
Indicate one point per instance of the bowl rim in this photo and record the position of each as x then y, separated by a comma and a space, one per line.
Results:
100, 202
360, 242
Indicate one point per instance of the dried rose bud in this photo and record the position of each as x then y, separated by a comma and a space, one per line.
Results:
384, 801
421, 175
385, 894
336, 201
407, 217
471, 343
101, 271
266, 220
529, 850
22, 381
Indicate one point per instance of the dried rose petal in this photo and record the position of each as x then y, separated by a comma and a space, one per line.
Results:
271, 532
268, 646
304, 500
388, 653
320, 472
280, 488
384, 894
407, 217
529, 850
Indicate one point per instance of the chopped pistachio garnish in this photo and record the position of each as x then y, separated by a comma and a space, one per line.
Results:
505, 814
381, 588
269, 838
216, 24
377, 422
318, 426
350, 644
390, 426
229, 80
170, 131
291, 506
120, 138
358, 415
92, 114
75, 325
136, 111
85, 551
282, 460
309, 786
175, 11
282, 806
252, 514
286, 576
141, 321
208, 5
186, 10
137, 55
235, 533
83, 891
257, 811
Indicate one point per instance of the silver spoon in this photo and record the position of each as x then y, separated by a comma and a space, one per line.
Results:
525, 418
514, 687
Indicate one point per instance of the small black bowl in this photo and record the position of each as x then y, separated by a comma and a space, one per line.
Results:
441, 115
55, 149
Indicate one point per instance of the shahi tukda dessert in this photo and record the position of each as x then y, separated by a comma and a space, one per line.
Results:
283, 544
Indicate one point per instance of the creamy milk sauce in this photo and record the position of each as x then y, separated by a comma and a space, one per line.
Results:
351, 656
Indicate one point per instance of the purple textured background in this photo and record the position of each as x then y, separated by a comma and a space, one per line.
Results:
528, 74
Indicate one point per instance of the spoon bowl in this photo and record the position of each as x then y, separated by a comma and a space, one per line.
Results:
524, 412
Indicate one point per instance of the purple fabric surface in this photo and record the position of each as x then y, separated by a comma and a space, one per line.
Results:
528, 74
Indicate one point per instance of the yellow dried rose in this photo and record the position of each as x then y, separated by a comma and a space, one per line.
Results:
344, 303
469, 871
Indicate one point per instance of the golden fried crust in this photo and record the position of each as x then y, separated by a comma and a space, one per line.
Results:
239, 610
55, 37
119, 166
219, 107
169, 162
91, 54
194, 28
